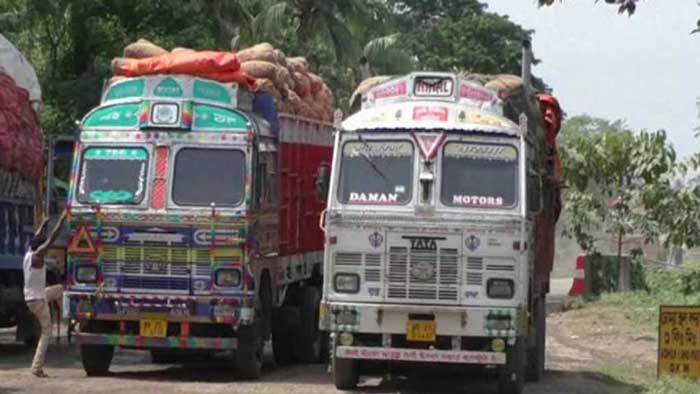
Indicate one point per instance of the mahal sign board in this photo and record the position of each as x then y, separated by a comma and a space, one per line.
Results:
679, 341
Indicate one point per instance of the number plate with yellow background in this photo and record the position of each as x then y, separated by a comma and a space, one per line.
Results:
153, 327
421, 330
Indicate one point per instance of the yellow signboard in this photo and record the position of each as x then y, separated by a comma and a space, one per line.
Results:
679, 341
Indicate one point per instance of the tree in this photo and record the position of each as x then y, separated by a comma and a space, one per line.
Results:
623, 183
449, 35
624, 6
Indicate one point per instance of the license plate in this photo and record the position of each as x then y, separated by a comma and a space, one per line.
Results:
421, 330
153, 327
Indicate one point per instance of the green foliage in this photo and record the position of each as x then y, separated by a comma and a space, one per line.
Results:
71, 42
459, 35
621, 182
663, 286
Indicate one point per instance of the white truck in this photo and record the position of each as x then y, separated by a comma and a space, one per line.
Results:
439, 228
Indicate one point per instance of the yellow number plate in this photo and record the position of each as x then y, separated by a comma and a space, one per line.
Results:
421, 330
153, 327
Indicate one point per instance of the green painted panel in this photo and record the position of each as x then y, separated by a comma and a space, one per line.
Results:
211, 91
126, 115
209, 117
106, 196
116, 154
168, 87
126, 89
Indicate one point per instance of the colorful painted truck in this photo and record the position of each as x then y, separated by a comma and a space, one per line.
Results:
194, 224
439, 229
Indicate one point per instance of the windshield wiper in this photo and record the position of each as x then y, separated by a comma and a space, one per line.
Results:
372, 163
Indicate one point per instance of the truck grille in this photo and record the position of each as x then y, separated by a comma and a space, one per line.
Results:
368, 263
135, 268
423, 274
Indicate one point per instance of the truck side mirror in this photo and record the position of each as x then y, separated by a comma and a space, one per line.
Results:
534, 194
323, 177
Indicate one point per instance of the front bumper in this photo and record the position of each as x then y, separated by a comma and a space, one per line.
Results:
175, 308
420, 355
151, 342
464, 321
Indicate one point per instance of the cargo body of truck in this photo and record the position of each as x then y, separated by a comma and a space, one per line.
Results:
194, 224
439, 230
25, 199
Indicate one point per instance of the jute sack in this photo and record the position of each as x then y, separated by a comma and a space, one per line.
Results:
298, 64
261, 52
142, 49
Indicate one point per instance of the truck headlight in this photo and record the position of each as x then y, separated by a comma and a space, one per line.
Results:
86, 274
500, 288
347, 283
228, 278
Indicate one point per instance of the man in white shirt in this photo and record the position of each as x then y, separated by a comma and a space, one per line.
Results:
36, 294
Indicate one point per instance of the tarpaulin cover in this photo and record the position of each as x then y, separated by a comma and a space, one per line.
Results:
13, 63
215, 65
21, 141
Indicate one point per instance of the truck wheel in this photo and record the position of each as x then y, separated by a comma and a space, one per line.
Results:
163, 356
96, 359
249, 353
345, 373
536, 350
282, 339
307, 346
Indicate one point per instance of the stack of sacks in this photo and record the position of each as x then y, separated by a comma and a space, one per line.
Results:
294, 87
290, 82
21, 140
145, 58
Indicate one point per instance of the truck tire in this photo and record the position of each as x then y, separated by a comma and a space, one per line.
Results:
96, 359
511, 377
248, 356
164, 356
345, 373
283, 319
537, 350
308, 342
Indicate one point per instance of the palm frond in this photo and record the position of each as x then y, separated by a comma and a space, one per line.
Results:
267, 24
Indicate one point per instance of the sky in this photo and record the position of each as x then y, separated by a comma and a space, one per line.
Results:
644, 70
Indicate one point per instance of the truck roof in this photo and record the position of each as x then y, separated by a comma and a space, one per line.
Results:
431, 100
176, 102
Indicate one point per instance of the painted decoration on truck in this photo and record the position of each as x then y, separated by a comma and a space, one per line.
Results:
214, 118
126, 89
168, 87
116, 116
211, 91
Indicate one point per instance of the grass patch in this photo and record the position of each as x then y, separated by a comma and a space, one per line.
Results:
672, 386
661, 287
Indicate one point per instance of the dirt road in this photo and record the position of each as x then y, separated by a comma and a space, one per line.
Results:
571, 370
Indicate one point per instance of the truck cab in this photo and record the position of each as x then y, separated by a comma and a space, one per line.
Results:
192, 217
432, 198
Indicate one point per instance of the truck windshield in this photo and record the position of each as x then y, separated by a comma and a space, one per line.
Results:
113, 175
206, 176
376, 172
479, 175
